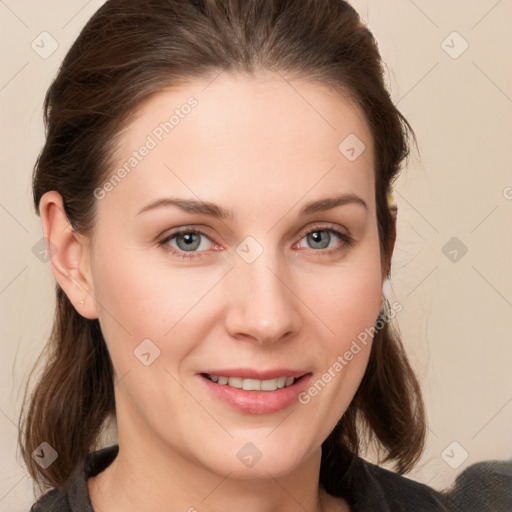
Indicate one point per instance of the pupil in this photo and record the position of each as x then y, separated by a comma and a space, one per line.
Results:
320, 237
187, 240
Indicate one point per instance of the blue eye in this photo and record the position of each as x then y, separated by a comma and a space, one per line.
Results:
321, 237
190, 243
187, 241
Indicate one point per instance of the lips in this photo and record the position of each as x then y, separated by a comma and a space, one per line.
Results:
256, 391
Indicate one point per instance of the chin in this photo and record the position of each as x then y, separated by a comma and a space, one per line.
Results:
260, 459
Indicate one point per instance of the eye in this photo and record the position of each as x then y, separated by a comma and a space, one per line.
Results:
320, 238
189, 241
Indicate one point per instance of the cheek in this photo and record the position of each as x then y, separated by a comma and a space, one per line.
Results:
129, 295
349, 311
347, 301
139, 299
347, 298
356, 302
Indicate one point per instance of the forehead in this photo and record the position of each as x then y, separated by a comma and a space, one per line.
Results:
242, 136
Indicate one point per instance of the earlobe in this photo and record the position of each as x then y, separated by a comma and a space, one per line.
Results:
68, 255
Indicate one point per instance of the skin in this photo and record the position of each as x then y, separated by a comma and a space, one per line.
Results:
255, 146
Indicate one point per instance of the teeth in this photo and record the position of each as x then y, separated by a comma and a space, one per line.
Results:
235, 382
253, 384
281, 382
250, 384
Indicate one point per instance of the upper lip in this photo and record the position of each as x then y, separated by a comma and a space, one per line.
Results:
250, 373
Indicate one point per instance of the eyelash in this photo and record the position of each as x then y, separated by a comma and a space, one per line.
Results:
347, 241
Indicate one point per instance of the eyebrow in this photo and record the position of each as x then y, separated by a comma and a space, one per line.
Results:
216, 211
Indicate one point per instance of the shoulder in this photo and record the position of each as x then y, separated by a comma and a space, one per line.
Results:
484, 486
400, 493
368, 487
53, 501
73, 494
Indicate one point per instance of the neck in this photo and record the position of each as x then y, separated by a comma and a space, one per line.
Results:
146, 475
149, 480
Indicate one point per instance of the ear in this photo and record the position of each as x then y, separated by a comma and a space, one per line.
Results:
69, 255
393, 210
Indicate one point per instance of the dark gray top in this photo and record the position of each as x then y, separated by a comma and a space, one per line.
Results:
482, 487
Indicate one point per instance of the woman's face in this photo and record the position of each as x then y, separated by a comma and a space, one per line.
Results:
216, 255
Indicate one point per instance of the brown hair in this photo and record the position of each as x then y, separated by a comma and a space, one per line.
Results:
130, 50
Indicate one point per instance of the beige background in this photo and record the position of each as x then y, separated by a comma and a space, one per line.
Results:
456, 317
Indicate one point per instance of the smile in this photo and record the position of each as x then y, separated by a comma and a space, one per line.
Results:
247, 394
252, 384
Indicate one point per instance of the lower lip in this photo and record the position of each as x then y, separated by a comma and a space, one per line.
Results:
258, 402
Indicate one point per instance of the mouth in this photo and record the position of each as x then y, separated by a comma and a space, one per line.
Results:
273, 384
273, 391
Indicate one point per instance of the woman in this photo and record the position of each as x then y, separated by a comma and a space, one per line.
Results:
214, 194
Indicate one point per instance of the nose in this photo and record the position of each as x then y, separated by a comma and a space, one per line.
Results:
262, 305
